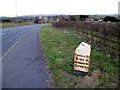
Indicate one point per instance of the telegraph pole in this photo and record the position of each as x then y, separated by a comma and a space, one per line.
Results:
119, 9
16, 12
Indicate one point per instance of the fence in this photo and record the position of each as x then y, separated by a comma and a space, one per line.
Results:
105, 36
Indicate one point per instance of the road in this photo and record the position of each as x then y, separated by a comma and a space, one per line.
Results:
23, 65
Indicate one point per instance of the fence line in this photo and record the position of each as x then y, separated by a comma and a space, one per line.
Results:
105, 36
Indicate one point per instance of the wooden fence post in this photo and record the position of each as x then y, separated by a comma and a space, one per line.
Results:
91, 36
117, 47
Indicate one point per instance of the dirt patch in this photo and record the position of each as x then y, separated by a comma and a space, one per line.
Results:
80, 82
89, 81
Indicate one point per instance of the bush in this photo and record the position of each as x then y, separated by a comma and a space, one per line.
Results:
5, 20
112, 19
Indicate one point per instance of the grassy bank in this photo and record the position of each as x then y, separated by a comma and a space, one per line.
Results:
4, 25
58, 48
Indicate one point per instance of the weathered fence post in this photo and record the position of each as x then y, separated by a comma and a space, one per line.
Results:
104, 32
91, 41
117, 47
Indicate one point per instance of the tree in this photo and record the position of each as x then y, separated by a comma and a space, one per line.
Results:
73, 18
112, 19
36, 20
83, 17
5, 20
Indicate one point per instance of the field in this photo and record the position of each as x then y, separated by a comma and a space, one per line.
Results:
58, 48
4, 25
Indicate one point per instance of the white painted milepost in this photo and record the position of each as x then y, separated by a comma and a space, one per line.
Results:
82, 58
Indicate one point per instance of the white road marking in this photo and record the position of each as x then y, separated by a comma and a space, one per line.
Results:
2, 33
24, 26
7, 29
11, 47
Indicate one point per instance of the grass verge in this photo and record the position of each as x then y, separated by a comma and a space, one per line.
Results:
4, 25
58, 48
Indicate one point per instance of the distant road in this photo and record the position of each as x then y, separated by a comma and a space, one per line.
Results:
23, 65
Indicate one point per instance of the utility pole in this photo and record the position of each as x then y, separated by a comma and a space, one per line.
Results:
32, 12
119, 9
16, 12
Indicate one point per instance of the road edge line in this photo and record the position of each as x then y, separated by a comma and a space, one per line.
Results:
11, 48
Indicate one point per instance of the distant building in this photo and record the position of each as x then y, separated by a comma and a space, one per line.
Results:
100, 20
57, 20
89, 20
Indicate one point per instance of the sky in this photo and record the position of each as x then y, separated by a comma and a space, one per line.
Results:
73, 7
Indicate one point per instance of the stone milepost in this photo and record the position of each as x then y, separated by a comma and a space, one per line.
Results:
82, 59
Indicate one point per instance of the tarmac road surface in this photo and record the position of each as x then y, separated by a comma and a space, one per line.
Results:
23, 65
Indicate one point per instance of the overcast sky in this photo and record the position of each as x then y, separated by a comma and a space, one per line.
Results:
29, 7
